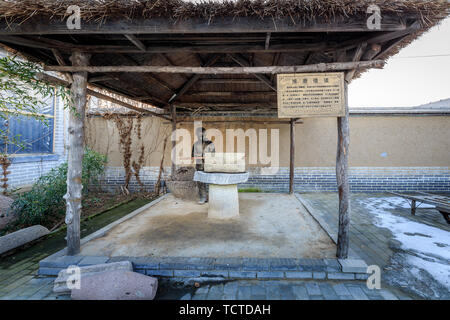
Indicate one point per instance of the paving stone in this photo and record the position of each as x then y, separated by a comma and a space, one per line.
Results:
283, 264
340, 289
199, 297
242, 274
230, 290
186, 273
299, 274
144, 263
187, 296
300, 292
316, 297
319, 275
49, 271
273, 291
228, 263
257, 289
92, 260
328, 292
286, 292
312, 288
350, 297
332, 265
357, 293
202, 290
387, 295
197, 263
270, 274
253, 264
215, 292
172, 263
244, 292
353, 265
340, 276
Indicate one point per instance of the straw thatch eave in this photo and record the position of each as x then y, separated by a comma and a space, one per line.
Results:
101, 11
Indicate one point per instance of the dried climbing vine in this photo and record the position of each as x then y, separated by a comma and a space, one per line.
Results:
4, 163
125, 126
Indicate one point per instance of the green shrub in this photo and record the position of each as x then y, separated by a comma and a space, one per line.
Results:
45, 201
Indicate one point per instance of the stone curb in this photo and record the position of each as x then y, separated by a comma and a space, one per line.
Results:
227, 268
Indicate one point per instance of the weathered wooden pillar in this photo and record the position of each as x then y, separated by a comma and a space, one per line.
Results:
292, 157
76, 151
173, 111
342, 181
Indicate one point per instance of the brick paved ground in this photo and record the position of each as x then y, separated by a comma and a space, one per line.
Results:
18, 278
373, 244
288, 290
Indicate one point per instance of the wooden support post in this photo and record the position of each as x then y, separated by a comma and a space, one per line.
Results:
173, 110
342, 181
292, 158
76, 151
413, 207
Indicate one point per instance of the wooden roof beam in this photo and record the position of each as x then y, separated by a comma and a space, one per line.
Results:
320, 67
244, 63
36, 26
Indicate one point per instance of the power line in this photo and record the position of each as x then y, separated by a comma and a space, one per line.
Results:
427, 56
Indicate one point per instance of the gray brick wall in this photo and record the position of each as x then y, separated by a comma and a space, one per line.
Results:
315, 179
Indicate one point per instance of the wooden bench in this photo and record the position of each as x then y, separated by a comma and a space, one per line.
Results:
442, 203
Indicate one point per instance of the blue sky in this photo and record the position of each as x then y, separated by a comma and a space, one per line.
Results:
409, 78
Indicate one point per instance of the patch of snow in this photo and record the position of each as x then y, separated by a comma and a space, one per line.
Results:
440, 272
428, 247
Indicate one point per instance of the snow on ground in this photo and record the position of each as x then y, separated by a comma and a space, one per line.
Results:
427, 247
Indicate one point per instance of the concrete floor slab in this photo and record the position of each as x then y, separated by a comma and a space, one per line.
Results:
269, 226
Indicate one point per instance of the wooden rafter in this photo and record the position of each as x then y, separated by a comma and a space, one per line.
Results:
149, 77
57, 81
244, 63
267, 43
138, 43
188, 84
356, 57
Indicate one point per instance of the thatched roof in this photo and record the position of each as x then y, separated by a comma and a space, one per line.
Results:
298, 10
223, 33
